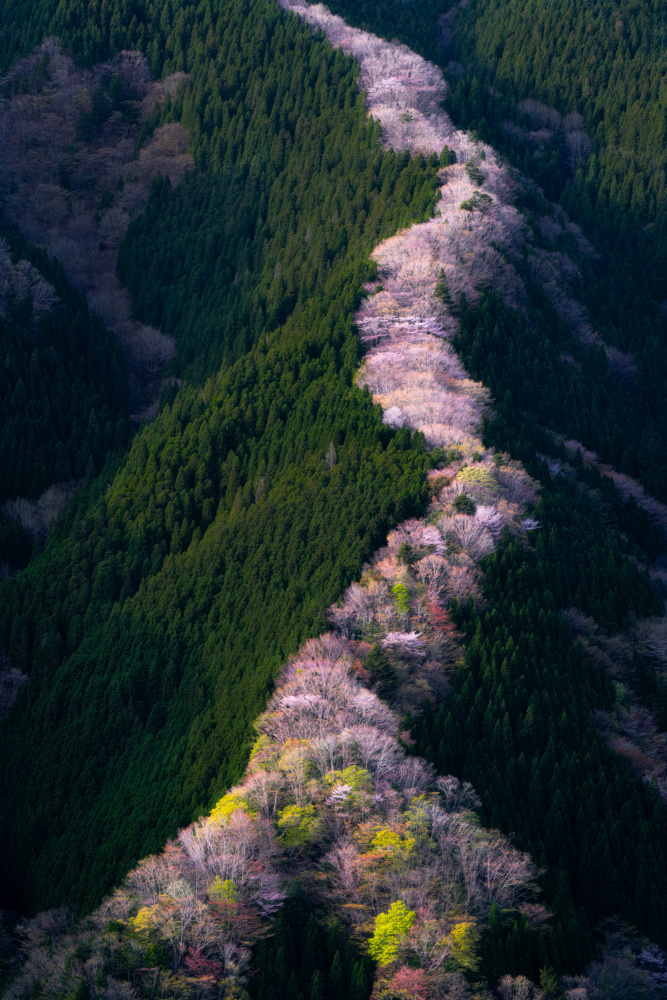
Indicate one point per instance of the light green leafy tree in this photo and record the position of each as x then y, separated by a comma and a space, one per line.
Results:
464, 941
223, 891
479, 476
390, 927
299, 826
401, 598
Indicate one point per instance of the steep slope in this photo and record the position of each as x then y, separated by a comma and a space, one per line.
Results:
419, 381
521, 705
333, 803
63, 397
585, 121
165, 603
80, 151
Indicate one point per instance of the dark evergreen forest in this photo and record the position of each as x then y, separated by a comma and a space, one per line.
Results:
199, 554
518, 723
605, 63
63, 386
63, 395
169, 596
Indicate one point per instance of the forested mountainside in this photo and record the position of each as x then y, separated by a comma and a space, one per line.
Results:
574, 96
163, 606
521, 634
334, 812
63, 392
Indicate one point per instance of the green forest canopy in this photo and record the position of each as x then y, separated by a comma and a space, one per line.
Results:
165, 603
605, 61
163, 606
63, 389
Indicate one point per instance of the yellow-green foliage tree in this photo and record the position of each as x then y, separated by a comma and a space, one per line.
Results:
477, 476
390, 927
396, 848
464, 941
299, 826
227, 806
223, 890
401, 597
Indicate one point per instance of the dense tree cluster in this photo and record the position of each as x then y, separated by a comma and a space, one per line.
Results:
518, 720
413, 22
164, 605
156, 621
535, 367
63, 397
304, 958
603, 66
295, 180
333, 804
603, 60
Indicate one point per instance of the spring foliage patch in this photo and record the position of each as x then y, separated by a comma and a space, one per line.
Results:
390, 928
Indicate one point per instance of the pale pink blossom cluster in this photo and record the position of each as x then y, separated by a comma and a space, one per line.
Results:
430, 561
408, 643
652, 637
36, 516
415, 532
11, 681
327, 740
556, 272
500, 494
628, 728
475, 237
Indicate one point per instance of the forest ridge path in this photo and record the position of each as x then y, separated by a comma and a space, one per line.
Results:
410, 368
416, 376
414, 373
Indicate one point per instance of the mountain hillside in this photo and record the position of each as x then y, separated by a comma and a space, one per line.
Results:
572, 96
391, 366
141, 617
